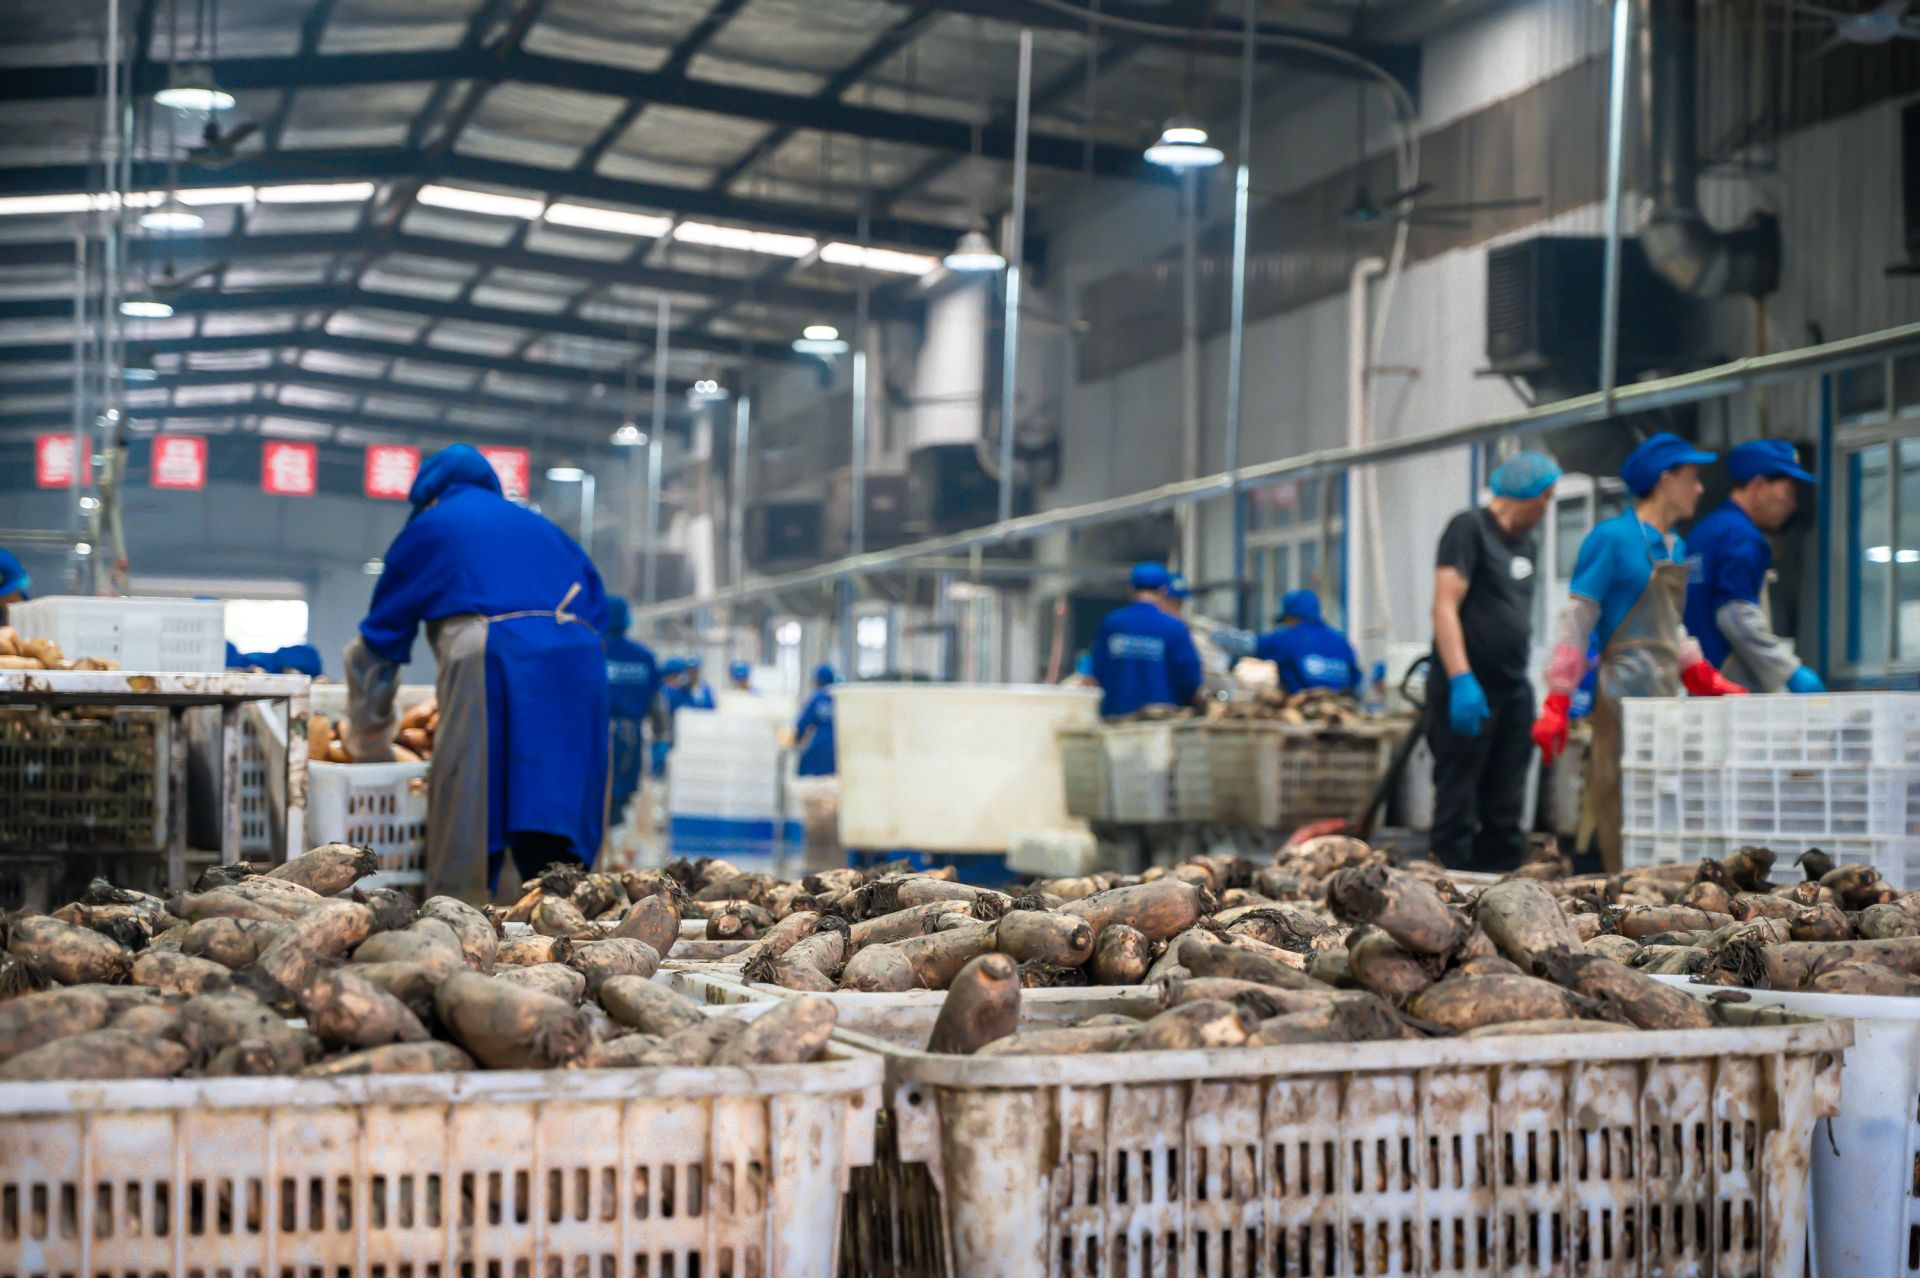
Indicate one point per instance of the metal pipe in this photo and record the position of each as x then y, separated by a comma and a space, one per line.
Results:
586, 513
656, 439
1617, 76
1237, 325
655, 451
1016, 259
79, 372
1750, 373
1189, 363
737, 515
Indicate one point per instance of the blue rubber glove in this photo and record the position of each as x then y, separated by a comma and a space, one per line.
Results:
1805, 680
1466, 704
1236, 643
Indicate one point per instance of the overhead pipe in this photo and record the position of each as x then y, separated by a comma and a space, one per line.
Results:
1016, 262
1681, 245
1237, 326
1618, 71
1189, 363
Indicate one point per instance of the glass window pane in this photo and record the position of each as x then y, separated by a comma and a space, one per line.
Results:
1906, 554
1860, 391
1570, 523
1282, 571
1906, 382
1869, 554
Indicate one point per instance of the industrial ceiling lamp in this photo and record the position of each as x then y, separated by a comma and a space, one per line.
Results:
1183, 144
629, 436
974, 255
146, 306
193, 88
820, 339
171, 215
139, 366
707, 390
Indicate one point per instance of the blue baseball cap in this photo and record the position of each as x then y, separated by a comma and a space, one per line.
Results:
1177, 586
1300, 605
823, 675
1150, 576
740, 670
672, 666
1658, 455
13, 575
1765, 458
1524, 476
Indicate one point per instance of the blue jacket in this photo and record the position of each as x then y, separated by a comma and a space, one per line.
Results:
818, 758
633, 679
301, 658
1310, 654
466, 549
1143, 657
700, 698
1729, 560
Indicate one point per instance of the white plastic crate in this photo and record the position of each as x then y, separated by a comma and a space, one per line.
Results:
1672, 733
1814, 803
1658, 801
1140, 770
373, 805
1607, 1154
658, 1171
1861, 729
1641, 848
1083, 772
155, 636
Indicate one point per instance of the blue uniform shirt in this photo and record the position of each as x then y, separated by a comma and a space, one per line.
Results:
1143, 657
818, 758
1310, 654
1729, 561
633, 678
700, 698
1615, 563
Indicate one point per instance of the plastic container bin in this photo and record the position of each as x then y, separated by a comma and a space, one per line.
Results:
1140, 770
1083, 773
951, 767
153, 636
84, 780
1303, 773
668, 1171
382, 806
1630, 1153
1671, 733
1857, 729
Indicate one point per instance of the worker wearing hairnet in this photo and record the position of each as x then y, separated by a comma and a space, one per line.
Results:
1628, 593
15, 584
513, 609
699, 691
633, 691
673, 696
740, 676
1729, 564
1143, 655
1177, 594
1479, 702
1308, 652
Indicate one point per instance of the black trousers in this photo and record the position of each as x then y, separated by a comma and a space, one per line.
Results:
1480, 783
532, 853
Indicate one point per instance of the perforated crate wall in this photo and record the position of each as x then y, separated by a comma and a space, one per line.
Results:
84, 780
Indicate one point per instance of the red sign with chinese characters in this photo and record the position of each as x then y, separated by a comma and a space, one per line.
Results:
290, 470
179, 461
53, 460
512, 465
390, 471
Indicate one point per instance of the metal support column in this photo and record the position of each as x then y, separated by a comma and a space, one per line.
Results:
737, 515
1621, 62
656, 439
1237, 328
1189, 517
1016, 259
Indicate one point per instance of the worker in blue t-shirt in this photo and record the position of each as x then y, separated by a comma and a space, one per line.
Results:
1627, 595
813, 733
633, 687
740, 676
1309, 652
1728, 570
1143, 655
699, 691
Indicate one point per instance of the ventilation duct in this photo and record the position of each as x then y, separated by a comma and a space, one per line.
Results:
1680, 243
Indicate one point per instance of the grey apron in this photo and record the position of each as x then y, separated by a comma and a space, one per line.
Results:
1641, 659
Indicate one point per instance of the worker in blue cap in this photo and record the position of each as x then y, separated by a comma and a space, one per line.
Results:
1628, 596
1142, 654
633, 695
15, 585
513, 609
740, 676
699, 691
1178, 592
1730, 560
1479, 702
673, 699
1309, 652
813, 732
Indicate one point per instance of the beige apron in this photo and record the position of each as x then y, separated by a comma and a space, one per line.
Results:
1642, 659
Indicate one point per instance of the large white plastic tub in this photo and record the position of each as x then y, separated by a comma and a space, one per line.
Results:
153, 636
952, 768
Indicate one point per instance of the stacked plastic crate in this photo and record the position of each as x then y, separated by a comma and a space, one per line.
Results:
1839, 772
723, 785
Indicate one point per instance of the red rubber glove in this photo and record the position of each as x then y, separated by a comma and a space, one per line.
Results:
1550, 729
1702, 680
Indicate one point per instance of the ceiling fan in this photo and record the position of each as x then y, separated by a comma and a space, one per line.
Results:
218, 148
1882, 24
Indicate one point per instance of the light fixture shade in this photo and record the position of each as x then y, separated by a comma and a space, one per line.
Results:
1183, 144
820, 332
629, 436
820, 345
193, 89
146, 306
565, 474
707, 391
974, 254
171, 215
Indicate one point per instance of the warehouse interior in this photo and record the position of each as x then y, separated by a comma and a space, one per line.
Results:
959, 638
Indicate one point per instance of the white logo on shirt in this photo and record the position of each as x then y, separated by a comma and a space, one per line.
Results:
1136, 648
1521, 567
1319, 667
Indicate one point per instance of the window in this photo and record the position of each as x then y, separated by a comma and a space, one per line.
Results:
1877, 568
1283, 547
1860, 393
261, 625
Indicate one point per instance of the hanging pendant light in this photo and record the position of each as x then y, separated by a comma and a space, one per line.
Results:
1183, 144
146, 306
629, 436
193, 89
820, 339
974, 255
172, 215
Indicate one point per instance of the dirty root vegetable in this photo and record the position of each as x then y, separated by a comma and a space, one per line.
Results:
616, 956
1643, 921
1262, 1002
329, 869
1467, 1002
222, 902
478, 939
1614, 946
392, 909
1382, 965
394, 1058
648, 1007
528, 948
1158, 911
982, 1004
696, 1045
346, 1010
179, 973
1037, 936
1281, 925
1121, 956
1896, 918
557, 916
1524, 922
215, 1028
1857, 886
796, 1030
98, 1054
898, 926
1710, 896
65, 953
1076, 1040
1748, 867
653, 919
556, 979
30, 1020
626, 1051
506, 1026
428, 942
1205, 955
232, 943
1400, 905
1554, 1026
1864, 978
1639, 998
1351, 1018
782, 936
1820, 923
153, 1020
411, 983
327, 931
1199, 1024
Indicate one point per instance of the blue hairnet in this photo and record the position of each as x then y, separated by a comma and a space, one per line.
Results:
1658, 455
740, 670
13, 574
619, 615
1524, 476
823, 675
455, 466
1302, 605
1149, 576
672, 666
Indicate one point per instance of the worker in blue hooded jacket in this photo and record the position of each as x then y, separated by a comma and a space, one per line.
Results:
15, 585
514, 610
1309, 652
294, 658
1143, 655
633, 691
